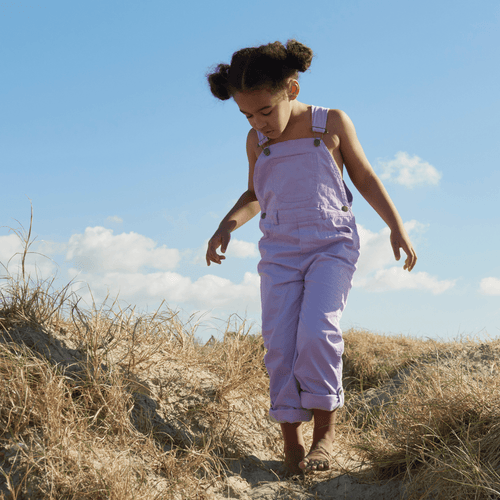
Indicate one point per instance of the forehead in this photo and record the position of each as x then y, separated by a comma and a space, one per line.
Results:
253, 101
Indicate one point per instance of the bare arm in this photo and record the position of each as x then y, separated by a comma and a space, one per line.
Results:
245, 209
370, 186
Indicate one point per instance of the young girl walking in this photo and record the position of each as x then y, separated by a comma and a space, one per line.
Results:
310, 245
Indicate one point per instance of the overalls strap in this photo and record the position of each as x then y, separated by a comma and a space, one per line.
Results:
319, 118
262, 138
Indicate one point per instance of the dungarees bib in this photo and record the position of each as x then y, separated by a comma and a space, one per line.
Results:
309, 251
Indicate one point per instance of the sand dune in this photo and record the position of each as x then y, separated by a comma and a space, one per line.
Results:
110, 404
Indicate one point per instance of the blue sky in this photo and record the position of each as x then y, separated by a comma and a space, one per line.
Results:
108, 127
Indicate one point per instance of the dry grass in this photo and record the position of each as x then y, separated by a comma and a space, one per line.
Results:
107, 403
436, 424
74, 430
371, 359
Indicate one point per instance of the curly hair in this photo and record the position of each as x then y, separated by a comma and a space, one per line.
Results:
268, 66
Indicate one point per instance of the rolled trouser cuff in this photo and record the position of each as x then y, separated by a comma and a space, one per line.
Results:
328, 402
290, 415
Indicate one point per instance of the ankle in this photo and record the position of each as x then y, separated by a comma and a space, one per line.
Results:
324, 425
292, 435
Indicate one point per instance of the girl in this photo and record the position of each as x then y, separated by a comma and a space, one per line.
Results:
310, 245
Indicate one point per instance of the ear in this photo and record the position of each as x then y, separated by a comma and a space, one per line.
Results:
293, 89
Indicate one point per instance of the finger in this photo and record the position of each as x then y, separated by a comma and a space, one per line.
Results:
407, 263
213, 245
397, 252
411, 259
211, 255
210, 259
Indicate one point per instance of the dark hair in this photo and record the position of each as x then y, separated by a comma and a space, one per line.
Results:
253, 68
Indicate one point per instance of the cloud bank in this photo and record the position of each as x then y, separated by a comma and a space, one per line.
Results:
141, 272
409, 171
377, 272
98, 249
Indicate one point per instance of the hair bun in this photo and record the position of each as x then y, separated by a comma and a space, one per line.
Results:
267, 66
298, 55
218, 81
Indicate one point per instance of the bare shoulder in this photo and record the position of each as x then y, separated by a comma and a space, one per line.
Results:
252, 144
252, 137
338, 122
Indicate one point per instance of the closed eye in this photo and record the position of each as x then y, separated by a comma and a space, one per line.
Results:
264, 114
248, 115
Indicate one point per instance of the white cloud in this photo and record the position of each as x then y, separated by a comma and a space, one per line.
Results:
115, 219
409, 171
51, 248
375, 265
242, 249
375, 253
395, 278
131, 266
238, 249
206, 292
213, 291
99, 249
9, 245
376, 250
138, 271
490, 286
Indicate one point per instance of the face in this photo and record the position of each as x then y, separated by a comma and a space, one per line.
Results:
268, 112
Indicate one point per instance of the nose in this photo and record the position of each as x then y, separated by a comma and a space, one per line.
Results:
259, 123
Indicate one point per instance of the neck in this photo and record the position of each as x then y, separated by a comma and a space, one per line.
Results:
296, 110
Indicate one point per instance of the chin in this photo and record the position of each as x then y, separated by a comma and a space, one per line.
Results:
273, 134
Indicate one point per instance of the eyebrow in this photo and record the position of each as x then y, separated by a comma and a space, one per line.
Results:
248, 113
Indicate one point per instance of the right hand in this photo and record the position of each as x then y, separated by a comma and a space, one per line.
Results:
220, 239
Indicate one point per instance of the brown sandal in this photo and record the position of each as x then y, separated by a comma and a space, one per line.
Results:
314, 464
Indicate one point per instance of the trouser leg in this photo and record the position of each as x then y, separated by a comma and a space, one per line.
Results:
318, 365
281, 303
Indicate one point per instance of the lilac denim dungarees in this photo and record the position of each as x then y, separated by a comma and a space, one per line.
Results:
309, 250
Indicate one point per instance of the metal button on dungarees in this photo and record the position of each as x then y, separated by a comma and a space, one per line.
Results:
263, 216
317, 142
345, 209
267, 152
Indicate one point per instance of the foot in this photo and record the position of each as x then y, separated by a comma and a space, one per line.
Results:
294, 450
290, 466
318, 458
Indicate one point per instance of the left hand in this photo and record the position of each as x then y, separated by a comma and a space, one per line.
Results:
400, 239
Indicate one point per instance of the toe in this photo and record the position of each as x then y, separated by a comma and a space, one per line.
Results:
308, 465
